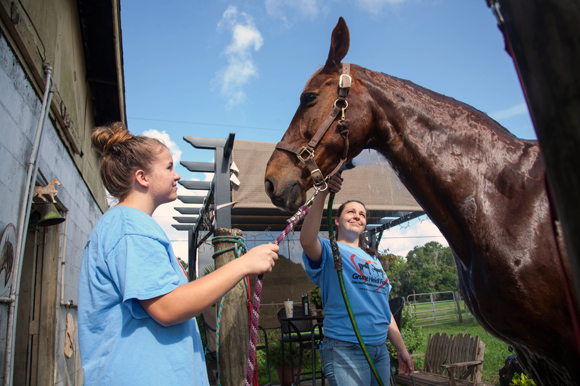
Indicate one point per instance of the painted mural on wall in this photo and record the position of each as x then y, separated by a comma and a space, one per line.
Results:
8, 248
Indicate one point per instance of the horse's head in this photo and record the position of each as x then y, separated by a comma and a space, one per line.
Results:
288, 176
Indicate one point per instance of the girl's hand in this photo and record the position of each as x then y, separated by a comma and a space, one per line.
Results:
335, 183
260, 259
406, 366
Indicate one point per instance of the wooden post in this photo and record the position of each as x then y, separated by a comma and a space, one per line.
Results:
458, 303
234, 325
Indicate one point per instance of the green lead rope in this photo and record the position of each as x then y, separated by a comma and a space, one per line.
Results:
338, 268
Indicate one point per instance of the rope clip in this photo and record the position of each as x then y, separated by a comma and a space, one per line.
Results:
308, 203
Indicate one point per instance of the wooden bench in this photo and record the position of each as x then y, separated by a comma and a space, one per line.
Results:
460, 357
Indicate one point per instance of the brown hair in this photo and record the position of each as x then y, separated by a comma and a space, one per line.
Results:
362, 241
122, 154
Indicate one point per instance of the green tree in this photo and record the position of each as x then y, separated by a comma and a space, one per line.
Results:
429, 268
433, 268
400, 278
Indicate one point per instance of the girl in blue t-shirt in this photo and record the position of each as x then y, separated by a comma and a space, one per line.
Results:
136, 307
368, 288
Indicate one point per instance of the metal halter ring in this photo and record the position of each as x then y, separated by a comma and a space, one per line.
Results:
325, 186
345, 103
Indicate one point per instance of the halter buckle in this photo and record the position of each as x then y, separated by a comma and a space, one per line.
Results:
344, 81
305, 150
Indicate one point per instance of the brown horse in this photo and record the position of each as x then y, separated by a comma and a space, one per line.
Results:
483, 187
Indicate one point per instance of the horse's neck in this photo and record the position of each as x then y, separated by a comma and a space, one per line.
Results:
450, 156
448, 137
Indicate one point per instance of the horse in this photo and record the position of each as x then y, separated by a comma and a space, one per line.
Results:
47, 191
362, 266
483, 188
378, 270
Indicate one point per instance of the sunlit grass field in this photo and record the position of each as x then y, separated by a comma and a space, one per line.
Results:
438, 312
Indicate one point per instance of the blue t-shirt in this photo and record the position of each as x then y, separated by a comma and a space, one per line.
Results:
367, 287
129, 258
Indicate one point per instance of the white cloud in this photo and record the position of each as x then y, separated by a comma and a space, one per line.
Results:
164, 137
245, 39
519, 109
401, 239
308, 8
376, 5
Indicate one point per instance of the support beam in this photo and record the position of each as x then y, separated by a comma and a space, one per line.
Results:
196, 185
186, 220
188, 210
234, 319
205, 167
192, 199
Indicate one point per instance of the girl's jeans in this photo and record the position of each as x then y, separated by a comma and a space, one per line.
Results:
344, 363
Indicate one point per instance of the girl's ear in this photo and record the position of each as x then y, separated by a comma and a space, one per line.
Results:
141, 178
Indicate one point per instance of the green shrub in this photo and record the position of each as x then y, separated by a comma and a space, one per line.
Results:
276, 359
412, 335
315, 297
522, 380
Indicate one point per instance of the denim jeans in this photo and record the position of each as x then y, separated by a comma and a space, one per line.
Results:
344, 363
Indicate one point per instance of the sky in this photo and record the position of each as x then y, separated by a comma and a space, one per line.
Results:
210, 68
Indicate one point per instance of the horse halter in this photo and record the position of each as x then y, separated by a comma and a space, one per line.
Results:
306, 153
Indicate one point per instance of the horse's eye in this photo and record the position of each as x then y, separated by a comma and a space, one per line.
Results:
308, 99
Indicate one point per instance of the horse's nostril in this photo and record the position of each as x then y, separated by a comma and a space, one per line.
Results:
269, 185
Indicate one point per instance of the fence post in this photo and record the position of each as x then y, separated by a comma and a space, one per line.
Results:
458, 303
234, 322
433, 308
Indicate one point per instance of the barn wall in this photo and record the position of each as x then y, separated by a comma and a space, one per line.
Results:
31, 33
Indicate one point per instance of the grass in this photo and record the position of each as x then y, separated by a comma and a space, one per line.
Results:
495, 350
274, 337
445, 312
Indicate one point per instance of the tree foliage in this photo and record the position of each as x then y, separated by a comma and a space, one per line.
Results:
430, 268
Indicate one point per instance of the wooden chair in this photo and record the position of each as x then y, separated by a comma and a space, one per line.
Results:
450, 360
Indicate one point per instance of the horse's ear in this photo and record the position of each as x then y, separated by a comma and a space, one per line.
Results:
339, 44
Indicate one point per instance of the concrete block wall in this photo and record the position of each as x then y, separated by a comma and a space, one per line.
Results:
19, 114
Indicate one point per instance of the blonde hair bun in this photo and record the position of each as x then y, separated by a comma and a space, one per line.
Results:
104, 138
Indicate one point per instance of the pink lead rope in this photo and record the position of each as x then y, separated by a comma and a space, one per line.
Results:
292, 221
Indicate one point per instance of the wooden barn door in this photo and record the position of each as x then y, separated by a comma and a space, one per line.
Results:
35, 324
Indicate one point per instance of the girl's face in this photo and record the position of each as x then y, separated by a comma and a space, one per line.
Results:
162, 179
353, 218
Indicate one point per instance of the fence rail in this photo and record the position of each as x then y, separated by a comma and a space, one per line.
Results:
438, 308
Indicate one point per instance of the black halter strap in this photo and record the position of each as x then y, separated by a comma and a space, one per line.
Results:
306, 153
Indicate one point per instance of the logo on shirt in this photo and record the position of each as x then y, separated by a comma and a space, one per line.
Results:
375, 271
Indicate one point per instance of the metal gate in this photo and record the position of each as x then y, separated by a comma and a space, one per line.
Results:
438, 308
